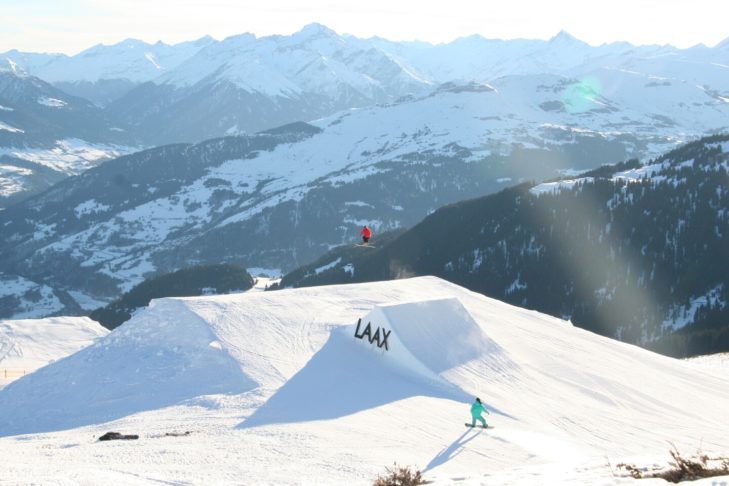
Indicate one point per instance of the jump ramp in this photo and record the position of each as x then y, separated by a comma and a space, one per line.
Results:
393, 352
425, 338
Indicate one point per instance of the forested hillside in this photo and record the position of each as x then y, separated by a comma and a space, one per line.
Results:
635, 252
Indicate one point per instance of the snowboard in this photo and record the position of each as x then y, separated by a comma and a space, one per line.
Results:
478, 426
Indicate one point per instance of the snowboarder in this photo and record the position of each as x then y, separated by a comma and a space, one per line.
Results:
366, 234
476, 409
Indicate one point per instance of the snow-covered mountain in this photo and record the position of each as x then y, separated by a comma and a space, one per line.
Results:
246, 84
47, 135
26, 62
206, 88
280, 199
26, 345
131, 59
202, 89
34, 113
286, 388
103, 73
476, 58
483, 60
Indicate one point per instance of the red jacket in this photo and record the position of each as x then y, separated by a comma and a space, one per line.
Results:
366, 232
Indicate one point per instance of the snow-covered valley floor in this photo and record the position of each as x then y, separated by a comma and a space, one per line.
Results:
276, 388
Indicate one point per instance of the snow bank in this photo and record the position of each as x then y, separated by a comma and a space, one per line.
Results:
26, 345
165, 356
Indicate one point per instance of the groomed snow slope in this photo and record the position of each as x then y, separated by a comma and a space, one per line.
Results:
28, 344
277, 388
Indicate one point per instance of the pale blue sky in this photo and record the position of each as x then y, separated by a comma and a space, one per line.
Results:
70, 26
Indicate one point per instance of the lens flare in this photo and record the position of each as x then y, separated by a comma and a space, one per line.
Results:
581, 96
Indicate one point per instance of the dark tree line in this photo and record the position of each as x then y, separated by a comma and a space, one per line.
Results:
197, 280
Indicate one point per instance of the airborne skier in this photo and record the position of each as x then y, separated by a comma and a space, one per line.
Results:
366, 234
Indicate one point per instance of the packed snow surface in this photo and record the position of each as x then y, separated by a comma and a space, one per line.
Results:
291, 387
715, 363
29, 344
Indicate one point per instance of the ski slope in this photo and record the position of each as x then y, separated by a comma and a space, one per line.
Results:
29, 344
289, 387
712, 363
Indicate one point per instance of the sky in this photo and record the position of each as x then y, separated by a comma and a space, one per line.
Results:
69, 26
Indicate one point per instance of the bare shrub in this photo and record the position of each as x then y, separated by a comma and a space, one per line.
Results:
683, 468
400, 476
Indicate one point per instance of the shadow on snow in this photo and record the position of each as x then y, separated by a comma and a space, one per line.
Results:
344, 378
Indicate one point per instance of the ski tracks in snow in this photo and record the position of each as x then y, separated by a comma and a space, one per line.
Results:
6, 347
543, 446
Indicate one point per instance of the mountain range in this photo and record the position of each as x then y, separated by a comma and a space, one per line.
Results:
206, 88
151, 94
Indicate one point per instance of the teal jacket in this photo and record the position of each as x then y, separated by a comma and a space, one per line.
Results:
477, 408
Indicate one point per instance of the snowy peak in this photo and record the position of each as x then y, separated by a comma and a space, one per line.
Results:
26, 62
12, 67
314, 30
127, 44
467, 58
315, 60
130, 59
564, 38
474, 40
204, 40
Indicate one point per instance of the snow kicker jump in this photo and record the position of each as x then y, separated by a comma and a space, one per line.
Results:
391, 353
426, 338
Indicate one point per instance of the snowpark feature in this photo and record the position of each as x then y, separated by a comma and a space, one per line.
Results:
277, 388
416, 328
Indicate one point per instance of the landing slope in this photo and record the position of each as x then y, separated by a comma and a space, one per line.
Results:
282, 387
